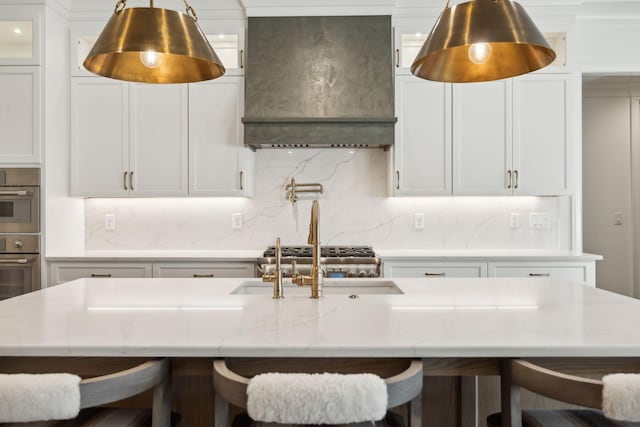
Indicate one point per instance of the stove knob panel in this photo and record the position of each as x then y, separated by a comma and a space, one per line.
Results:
372, 274
362, 273
352, 273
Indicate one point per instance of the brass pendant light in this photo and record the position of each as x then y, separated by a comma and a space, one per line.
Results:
482, 40
153, 45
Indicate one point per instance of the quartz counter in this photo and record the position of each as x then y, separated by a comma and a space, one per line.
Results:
479, 317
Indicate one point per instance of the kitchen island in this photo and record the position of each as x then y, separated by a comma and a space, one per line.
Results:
458, 326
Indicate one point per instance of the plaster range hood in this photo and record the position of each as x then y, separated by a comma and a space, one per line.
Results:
319, 82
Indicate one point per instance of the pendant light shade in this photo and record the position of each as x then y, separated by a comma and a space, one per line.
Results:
482, 40
153, 45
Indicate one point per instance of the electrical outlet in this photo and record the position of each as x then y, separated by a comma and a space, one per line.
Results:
617, 218
514, 220
110, 222
418, 221
236, 221
540, 220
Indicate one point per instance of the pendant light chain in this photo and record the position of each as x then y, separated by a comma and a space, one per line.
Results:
120, 5
190, 11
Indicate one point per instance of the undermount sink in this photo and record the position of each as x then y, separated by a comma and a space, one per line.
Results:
330, 287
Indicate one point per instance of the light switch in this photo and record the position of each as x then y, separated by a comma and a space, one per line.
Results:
418, 221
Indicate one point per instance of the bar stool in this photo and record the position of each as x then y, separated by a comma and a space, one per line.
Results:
616, 396
52, 400
401, 385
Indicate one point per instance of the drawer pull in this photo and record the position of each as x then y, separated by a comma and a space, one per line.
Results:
100, 275
435, 274
539, 274
203, 275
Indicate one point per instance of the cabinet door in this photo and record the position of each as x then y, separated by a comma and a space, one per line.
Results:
434, 269
215, 138
422, 150
542, 120
575, 271
204, 269
60, 272
158, 140
482, 140
20, 115
99, 137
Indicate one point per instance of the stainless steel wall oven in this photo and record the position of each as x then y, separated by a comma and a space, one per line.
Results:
19, 214
19, 200
19, 264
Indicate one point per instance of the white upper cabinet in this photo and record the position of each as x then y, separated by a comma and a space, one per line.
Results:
541, 133
422, 149
20, 114
158, 140
99, 137
508, 137
219, 165
482, 140
20, 35
128, 139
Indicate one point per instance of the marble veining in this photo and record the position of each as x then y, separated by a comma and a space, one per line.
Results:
355, 210
488, 317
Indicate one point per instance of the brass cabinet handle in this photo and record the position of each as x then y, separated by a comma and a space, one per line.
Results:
241, 181
398, 180
509, 179
131, 180
241, 58
203, 275
125, 180
539, 274
397, 58
435, 274
515, 174
100, 275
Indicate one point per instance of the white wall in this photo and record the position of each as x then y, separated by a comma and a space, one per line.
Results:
63, 215
607, 186
354, 210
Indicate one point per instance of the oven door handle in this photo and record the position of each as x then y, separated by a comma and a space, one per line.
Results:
15, 261
22, 193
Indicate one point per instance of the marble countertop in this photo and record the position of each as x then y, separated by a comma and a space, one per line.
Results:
483, 317
251, 255
502, 255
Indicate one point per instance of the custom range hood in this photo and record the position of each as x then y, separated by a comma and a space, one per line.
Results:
319, 82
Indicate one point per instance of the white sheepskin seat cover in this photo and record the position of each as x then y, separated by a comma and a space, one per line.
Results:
621, 396
316, 398
39, 397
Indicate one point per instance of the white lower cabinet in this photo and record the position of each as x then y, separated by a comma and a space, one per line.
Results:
434, 269
578, 272
60, 272
204, 269
65, 271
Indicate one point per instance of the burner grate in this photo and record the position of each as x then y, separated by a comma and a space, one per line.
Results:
325, 252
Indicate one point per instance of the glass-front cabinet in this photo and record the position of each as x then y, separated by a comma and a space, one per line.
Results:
20, 35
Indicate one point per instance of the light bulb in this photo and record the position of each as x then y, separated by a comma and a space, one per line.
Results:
479, 53
150, 59
17, 30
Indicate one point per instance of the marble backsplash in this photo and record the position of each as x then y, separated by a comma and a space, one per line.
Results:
354, 210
